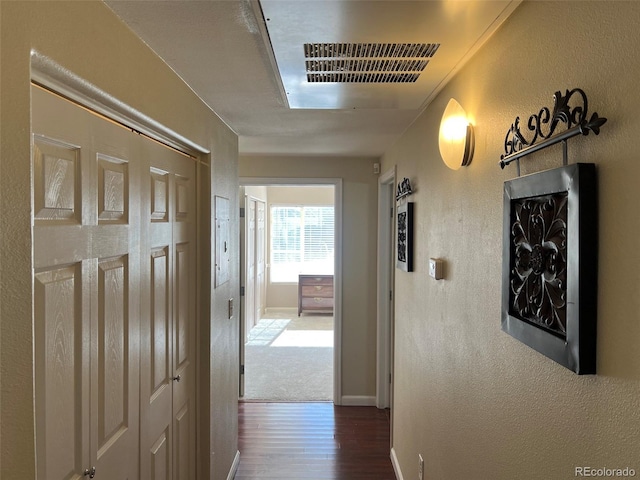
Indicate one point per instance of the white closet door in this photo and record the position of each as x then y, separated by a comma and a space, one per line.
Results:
260, 258
250, 283
86, 277
168, 317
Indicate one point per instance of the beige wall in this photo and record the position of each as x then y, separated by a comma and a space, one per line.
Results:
257, 192
476, 403
88, 40
358, 254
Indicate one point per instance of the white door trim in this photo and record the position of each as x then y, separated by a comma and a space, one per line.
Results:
337, 271
386, 209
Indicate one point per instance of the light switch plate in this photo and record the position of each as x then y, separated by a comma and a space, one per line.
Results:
435, 268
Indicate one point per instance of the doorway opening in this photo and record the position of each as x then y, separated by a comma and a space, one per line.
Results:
289, 335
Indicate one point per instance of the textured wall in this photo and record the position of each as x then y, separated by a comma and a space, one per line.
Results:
358, 254
476, 403
88, 39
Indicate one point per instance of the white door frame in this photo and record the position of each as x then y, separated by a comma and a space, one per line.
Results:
244, 279
385, 274
337, 270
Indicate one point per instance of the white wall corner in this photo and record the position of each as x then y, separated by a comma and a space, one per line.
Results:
396, 465
234, 466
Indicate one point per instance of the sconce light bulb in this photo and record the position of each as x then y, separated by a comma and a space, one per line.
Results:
454, 129
456, 136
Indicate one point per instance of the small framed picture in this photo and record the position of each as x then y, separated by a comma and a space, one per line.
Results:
550, 258
404, 229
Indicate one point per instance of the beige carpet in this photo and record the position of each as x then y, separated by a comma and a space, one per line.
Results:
290, 358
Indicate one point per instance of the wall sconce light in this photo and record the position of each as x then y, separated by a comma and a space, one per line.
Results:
456, 137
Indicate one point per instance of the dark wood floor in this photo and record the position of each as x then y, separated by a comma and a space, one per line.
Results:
305, 441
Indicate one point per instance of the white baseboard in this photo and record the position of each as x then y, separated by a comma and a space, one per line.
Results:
268, 310
358, 401
234, 466
396, 465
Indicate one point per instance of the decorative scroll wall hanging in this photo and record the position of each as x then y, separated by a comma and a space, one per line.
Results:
404, 227
550, 257
544, 128
404, 189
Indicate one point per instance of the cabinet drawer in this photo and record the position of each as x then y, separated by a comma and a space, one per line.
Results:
316, 280
317, 291
317, 303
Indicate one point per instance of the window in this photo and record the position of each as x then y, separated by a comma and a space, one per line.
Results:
301, 241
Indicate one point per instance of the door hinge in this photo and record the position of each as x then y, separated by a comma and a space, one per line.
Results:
241, 369
391, 213
242, 291
391, 295
389, 378
241, 212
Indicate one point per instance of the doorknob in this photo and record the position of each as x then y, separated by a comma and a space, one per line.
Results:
90, 472
177, 379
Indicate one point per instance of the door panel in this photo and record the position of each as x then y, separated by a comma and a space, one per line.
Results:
113, 182
85, 238
113, 345
56, 170
260, 261
250, 285
168, 313
160, 458
183, 313
183, 440
160, 330
61, 342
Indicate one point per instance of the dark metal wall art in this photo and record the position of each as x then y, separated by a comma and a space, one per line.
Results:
404, 229
549, 285
544, 128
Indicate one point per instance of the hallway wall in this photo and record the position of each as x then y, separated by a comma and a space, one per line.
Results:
475, 402
87, 39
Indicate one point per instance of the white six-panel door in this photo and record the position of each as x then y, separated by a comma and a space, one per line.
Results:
168, 312
114, 306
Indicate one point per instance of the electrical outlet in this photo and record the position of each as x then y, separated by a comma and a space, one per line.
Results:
420, 467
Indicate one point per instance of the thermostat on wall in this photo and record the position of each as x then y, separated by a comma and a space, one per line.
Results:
435, 268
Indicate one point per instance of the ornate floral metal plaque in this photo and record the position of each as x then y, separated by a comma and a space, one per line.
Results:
550, 264
538, 279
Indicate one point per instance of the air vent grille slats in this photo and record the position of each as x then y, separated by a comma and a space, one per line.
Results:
367, 62
366, 65
370, 50
362, 77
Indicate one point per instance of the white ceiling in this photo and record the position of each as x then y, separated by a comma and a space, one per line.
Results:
246, 60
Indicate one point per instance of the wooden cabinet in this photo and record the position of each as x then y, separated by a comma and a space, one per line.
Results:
315, 293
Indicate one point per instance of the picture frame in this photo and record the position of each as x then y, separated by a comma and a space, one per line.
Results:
549, 275
404, 237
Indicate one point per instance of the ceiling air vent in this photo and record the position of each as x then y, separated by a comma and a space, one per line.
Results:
367, 62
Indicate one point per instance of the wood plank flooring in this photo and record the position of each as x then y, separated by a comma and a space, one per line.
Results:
313, 441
